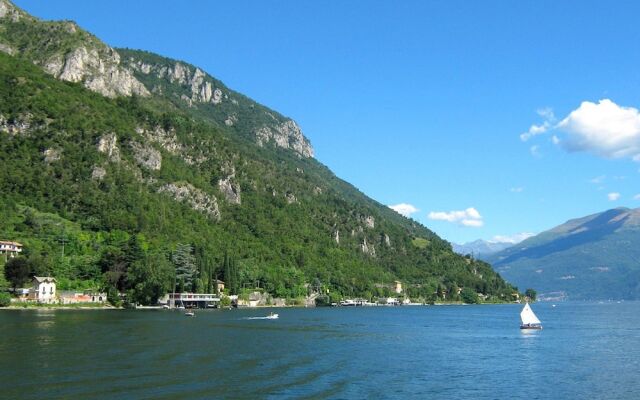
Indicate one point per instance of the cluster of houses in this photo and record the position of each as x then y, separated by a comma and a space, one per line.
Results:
44, 291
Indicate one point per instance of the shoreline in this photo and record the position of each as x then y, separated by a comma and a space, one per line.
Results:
146, 308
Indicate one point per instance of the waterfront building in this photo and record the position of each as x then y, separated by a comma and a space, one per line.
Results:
43, 290
194, 300
71, 297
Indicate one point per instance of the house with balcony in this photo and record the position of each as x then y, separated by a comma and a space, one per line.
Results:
10, 249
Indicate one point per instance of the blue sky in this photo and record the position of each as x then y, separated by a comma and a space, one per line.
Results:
426, 103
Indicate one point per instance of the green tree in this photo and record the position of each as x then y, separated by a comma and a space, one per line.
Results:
185, 266
149, 279
17, 271
469, 296
226, 268
531, 294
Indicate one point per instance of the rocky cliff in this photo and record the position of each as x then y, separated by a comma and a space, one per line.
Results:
70, 53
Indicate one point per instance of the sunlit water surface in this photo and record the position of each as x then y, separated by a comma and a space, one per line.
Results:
586, 350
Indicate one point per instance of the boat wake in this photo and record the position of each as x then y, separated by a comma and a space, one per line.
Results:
272, 316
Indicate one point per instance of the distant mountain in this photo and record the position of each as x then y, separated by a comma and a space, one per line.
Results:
480, 248
594, 257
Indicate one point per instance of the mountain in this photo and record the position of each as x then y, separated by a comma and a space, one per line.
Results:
126, 169
480, 248
594, 257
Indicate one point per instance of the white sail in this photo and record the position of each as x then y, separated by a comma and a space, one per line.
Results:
528, 317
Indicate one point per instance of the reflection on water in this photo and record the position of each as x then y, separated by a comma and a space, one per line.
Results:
398, 353
43, 324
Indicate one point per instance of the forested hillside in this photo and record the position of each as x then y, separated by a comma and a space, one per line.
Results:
126, 170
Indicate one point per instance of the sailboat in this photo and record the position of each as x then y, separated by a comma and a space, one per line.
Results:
529, 319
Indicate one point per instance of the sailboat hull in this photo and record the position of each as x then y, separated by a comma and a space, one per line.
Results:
528, 326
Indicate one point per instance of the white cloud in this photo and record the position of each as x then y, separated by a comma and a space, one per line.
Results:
637, 197
546, 113
598, 179
469, 217
613, 196
516, 189
404, 209
604, 129
517, 238
535, 150
534, 130
555, 140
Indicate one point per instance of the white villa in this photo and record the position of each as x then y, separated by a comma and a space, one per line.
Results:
10, 249
43, 290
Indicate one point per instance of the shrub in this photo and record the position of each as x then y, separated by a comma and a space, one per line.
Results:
5, 299
469, 296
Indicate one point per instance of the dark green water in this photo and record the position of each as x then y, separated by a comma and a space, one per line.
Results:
477, 352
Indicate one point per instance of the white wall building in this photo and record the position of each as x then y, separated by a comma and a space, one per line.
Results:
10, 249
43, 290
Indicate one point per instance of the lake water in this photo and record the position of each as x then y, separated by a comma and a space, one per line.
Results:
477, 352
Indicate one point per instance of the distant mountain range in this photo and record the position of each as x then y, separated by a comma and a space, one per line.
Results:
594, 257
480, 248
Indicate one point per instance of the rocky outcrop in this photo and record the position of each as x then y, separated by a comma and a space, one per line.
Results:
200, 85
194, 197
98, 69
287, 135
290, 198
386, 240
231, 120
369, 221
51, 155
229, 188
165, 138
194, 87
18, 126
168, 140
5, 48
147, 156
108, 144
10, 12
367, 248
98, 173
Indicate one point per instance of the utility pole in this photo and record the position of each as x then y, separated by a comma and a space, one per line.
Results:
63, 240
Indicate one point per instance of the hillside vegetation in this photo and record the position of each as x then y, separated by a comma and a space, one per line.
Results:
166, 176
